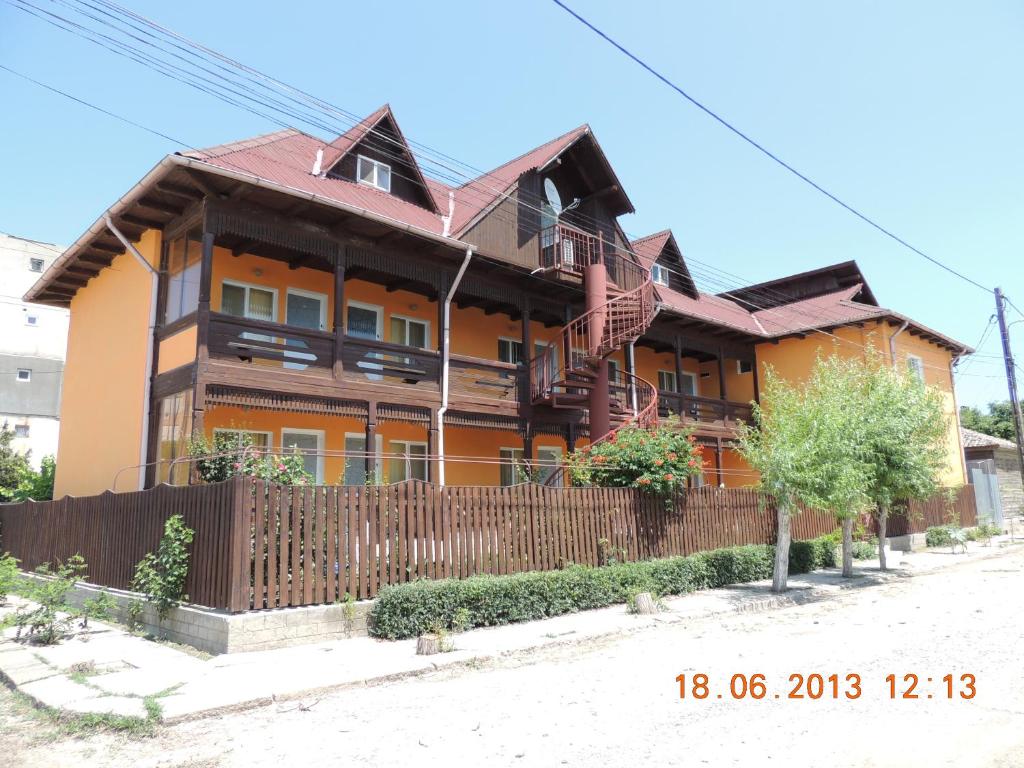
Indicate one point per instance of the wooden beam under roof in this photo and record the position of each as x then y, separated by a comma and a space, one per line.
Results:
141, 221
177, 190
201, 181
159, 205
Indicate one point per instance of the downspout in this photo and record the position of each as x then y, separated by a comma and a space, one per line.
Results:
154, 288
445, 354
956, 416
892, 342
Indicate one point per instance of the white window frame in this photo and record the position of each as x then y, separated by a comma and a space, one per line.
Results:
555, 449
613, 371
372, 307
245, 305
27, 431
675, 380
378, 466
24, 379
518, 456
916, 367
408, 459
522, 353
33, 260
322, 297
320, 436
232, 431
409, 319
739, 367
696, 383
659, 274
377, 164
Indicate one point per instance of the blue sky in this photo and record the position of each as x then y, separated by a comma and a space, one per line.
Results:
911, 111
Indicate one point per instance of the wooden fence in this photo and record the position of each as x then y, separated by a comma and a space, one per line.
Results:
114, 531
262, 545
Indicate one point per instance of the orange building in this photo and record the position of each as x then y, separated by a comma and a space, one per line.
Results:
330, 297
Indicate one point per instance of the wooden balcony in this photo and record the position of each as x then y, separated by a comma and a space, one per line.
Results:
570, 250
708, 413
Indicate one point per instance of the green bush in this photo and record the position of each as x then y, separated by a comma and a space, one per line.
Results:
865, 550
939, 536
161, 576
8, 576
408, 610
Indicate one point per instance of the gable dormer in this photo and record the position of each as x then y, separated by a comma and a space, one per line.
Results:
660, 253
374, 153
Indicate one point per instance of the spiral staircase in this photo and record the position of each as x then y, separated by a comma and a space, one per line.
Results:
564, 374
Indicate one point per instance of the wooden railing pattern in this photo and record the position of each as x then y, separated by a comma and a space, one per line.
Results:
261, 545
386, 363
260, 342
706, 409
472, 378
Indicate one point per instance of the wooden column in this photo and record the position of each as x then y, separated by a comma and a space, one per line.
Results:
570, 438
678, 353
202, 332
371, 442
433, 464
526, 397
339, 313
528, 445
718, 459
757, 385
443, 284
721, 374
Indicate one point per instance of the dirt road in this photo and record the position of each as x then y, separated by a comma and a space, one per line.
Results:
618, 703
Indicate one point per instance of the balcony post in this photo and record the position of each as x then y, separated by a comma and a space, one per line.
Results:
202, 328
371, 442
678, 355
433, 464
757, 385
339, 313
527, 356
718, 460
721, 384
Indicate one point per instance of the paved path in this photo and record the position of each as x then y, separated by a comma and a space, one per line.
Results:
615, 701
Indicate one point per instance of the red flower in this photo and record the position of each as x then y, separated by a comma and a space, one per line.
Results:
672, 457
238, 465
692, 462
281, 467
600, 459
691, 438
645, 481
669, 476
658, 462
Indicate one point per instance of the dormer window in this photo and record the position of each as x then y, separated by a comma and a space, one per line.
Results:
659, 274
373, 173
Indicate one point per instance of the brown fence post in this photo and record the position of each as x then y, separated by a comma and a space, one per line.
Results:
240, 509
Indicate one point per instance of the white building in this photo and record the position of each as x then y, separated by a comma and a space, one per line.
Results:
32, 349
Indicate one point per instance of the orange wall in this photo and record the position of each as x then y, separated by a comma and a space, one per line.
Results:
793, 359
103, 399
177, 350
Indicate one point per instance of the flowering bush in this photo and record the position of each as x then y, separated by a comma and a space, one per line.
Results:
659, 460
233, 453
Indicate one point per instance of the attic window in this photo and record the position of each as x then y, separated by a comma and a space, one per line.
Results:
35, 265
744, 366
659, 274
373, 173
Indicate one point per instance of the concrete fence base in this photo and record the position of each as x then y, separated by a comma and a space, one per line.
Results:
216, 631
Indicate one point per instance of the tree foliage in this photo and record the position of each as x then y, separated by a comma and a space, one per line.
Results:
161, 575
233, 453
14, 465
996, 421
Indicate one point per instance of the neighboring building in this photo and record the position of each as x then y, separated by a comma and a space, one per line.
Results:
31, 349
299, 290
993, 467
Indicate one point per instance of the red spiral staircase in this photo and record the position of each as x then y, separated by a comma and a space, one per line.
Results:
566, 372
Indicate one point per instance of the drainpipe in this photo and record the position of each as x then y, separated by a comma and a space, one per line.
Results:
956, 416
445, 354
154, 288
892, 342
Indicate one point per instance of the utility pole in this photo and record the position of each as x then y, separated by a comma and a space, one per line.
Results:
1011, 379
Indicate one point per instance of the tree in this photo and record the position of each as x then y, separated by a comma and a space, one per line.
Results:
13, 465
37, 486
998, 421
807, 444
906, 440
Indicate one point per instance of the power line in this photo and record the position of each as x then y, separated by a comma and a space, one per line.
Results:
761, 148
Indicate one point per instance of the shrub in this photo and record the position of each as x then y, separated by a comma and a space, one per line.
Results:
865, 550
658, 460
233, 453
8, 576
161, 576
48, 618
939, 536
408, 610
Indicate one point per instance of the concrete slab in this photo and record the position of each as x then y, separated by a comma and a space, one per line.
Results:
109, 705
146, 681
57, 692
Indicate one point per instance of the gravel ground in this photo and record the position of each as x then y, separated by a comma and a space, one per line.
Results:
617, 702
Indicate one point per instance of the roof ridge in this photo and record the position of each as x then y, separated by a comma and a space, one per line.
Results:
666, 231
585, 127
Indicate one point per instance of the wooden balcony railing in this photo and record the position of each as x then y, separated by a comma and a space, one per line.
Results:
571, 250
385, 363
471, 378
703, 409
270, 344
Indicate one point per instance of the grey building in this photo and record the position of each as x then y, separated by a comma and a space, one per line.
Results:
993, 468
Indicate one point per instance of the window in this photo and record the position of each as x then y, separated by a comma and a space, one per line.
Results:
614, 377
35, 265
32, 320
689, 383
408, 461
510, 351
24, 374
659, 274
21, 430
548, 461
251, 301
667, 381
306, 309
374, 173
916, 367
355, 459
744, 366
173, 437
511, 460
410, 332
310, 443
183, 264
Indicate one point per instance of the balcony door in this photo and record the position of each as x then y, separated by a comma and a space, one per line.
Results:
303, 309
366, 321
310, 445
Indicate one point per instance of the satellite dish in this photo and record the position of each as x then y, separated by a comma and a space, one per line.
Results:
552, 196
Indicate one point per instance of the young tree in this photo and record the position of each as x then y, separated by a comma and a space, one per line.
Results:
906, 440
807, 443
13, 465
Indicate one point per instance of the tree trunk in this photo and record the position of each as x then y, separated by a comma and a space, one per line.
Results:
883, 517
848, 547
781, 572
